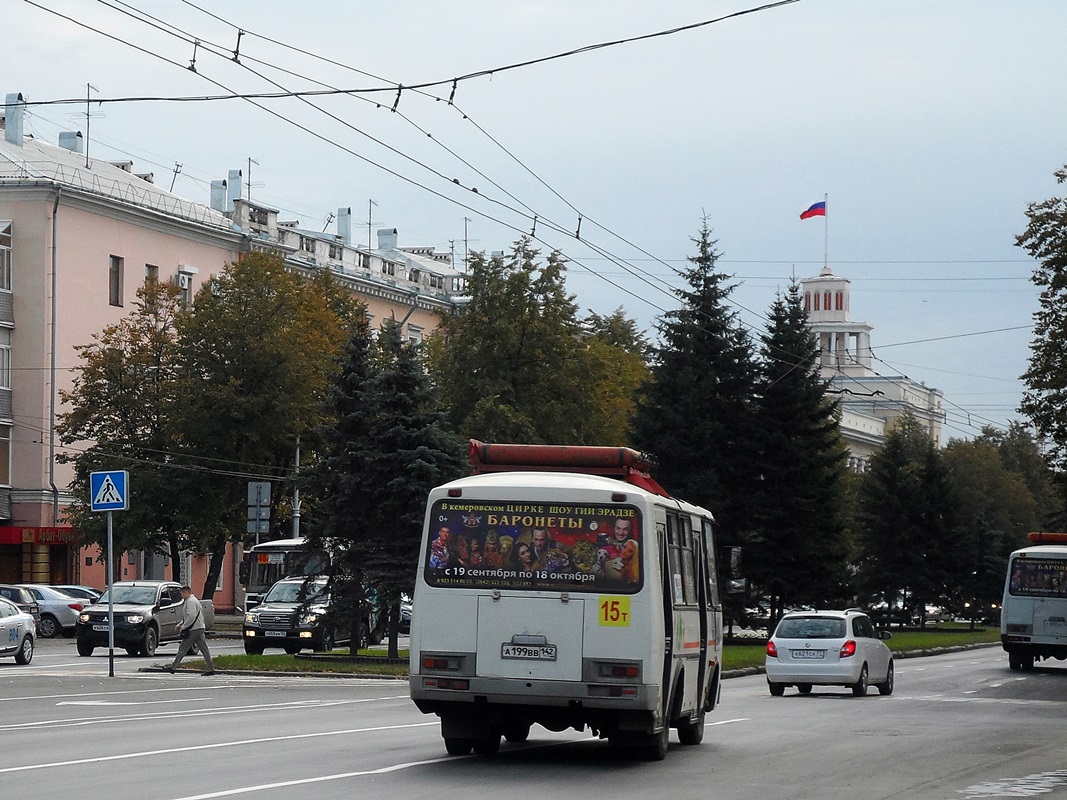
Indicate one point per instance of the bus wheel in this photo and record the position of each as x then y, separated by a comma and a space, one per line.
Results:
489, 746
1027, 663
458, 747
655, 748
1014, 662
690, 732
517, 734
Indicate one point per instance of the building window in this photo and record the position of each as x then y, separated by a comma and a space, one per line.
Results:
807, 301
414, 275
816, 301
114, 281
415, 335
5, 455
5, 358
307, 244
388, 268
826, 301
151, 274
337, 251
5, 255
839, 301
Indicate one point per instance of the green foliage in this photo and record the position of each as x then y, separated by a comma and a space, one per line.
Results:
911, 541
123, 403
799, 553
697, 411
388, 448
259, 349
517, 365
1045, 400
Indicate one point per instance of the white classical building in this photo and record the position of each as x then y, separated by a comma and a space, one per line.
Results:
871, 402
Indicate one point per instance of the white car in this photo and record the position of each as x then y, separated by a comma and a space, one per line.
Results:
828, 648
16, 632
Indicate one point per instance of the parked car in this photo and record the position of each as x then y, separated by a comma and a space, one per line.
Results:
59, 610
295, 616
828, 648
16, 632
406, 608
21, 598
87, 593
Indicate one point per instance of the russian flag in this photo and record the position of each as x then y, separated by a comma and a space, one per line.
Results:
815, 210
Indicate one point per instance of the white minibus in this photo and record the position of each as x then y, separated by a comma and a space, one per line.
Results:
1033, 618
562, 586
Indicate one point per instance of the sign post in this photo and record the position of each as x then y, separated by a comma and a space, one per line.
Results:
109, 491
258, 508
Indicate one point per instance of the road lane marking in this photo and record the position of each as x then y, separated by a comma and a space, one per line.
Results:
728, 721
319, 779
129, 703
199, 747
68, 722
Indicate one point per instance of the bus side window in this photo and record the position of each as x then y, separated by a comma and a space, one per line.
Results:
712, 568
689, 562
674, 551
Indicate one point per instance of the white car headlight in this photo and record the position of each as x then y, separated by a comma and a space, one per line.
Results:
309, 619
252, 619
83, 618
134, 619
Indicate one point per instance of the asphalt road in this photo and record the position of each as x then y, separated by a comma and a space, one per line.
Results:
958, 726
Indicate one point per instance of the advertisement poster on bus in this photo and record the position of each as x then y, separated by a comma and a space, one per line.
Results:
530, 545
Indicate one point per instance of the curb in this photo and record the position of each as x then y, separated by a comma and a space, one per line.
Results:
931, 651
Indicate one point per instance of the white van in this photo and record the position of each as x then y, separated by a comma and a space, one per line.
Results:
572, 600
1033, 621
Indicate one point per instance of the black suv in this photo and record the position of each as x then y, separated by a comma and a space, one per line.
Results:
23, 598
295, 617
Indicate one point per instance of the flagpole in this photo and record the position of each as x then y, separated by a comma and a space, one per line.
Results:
826, 231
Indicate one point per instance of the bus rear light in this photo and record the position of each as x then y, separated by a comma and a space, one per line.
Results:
848, 649
437, 662
772, 649
618, 497
1013, 627
455, 493
446, 683
624, 671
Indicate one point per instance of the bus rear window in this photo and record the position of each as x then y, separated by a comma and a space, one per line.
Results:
523, 545
1038, 577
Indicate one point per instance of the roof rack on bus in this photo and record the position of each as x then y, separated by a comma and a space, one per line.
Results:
1045, 537
614, 462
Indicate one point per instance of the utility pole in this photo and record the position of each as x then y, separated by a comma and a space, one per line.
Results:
466, 253
88, 86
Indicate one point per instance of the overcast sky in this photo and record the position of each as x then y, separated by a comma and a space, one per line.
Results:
930, 124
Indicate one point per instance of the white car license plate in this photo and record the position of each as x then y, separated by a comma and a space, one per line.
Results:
529, 652
99, 627
274, 633
801, 654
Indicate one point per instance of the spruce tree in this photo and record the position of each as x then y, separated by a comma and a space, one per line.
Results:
389, 448
696, 413
799, 553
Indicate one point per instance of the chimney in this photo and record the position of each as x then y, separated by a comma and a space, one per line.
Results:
72, 140
14, 110
234, 188
387, 238
218, 196
344, 225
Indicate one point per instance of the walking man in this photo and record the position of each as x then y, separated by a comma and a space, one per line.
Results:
193, 630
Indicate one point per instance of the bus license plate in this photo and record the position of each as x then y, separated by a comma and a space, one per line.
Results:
274, 633
809, 653
529, 652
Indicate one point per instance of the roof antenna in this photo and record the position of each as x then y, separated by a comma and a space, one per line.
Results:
177, 169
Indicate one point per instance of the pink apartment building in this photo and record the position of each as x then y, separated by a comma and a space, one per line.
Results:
77, 237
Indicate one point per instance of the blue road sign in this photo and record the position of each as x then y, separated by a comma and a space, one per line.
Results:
109, 491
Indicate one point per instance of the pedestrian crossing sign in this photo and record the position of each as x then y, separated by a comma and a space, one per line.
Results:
108, 491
